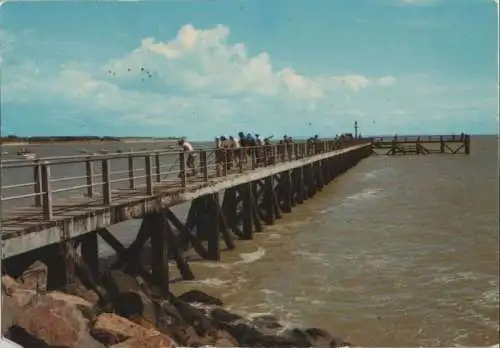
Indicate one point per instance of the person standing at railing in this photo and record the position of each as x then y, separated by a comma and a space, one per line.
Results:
188, 149
258, 152
234, 144
243, 144
218, 156
289, 147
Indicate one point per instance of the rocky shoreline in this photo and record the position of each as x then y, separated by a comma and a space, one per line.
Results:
127, 312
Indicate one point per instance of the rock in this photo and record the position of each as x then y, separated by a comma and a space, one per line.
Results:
313, 337
9, 284
265, 330
129, 300
299, 337
112, 329
194, 317
70, 299
89, 310
322, 338
266, 322
237, 326
222, 316
81, 291
154, 341
200, 297
22, 297
185, 335
35, 276
46, 321
224, 339
14, 299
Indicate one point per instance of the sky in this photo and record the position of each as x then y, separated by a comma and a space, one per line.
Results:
201, 68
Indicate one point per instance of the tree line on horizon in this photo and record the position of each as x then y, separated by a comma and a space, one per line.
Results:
49, 139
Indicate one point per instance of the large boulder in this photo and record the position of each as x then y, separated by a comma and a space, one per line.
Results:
50, 322
112, 329
12, 305
132, 300
15, 296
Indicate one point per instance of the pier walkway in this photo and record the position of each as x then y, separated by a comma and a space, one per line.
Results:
52, 199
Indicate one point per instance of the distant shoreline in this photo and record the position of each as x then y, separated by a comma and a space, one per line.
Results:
86, 142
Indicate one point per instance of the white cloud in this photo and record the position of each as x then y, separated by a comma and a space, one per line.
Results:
198, 76
199, 59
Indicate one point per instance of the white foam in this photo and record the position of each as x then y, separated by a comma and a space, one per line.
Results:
368, 193
374, 173
214, 265
489, 298
271, 292
213, 282
251, 257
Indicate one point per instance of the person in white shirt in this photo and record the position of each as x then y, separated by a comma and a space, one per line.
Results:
189, 150
258, 140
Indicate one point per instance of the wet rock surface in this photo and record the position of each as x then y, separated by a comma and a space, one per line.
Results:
132, 314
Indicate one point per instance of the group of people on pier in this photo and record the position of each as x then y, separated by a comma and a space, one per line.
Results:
236, 151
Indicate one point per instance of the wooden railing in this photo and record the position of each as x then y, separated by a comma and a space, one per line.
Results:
420, 138
98, 177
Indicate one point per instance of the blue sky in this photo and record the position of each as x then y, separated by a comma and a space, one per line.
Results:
273, 67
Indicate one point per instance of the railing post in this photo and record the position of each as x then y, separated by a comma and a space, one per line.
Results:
275, 154
204, 165
47, 211
148, 174
225, 163
182, 168
253, 156
89, 170
267, 149
106, 181
131, 171
38, 185
240, 164
157, 167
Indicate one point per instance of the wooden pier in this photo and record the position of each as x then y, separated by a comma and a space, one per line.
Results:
422, 145
54, 209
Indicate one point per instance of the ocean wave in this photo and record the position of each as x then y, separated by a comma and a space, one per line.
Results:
211, 282
251, 257
364, 194
271, 292
374, 173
